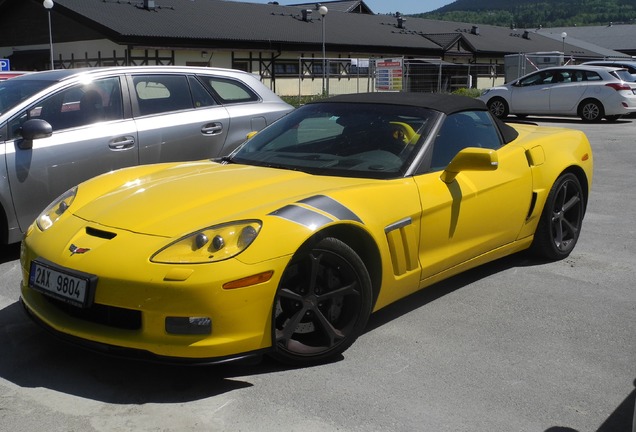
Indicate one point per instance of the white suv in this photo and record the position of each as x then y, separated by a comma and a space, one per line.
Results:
589, 92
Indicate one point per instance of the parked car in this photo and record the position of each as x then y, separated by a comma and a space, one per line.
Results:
287, 245
589, 92
58, 128
625, 64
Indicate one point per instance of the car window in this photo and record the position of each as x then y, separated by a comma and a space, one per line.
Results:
79, 105
376, 141
461, 130
309, 130
631, 68
623, 75
12, 92
539, 78
578, 76
162, 93
228, 90
592, 76
560, 77
200, 95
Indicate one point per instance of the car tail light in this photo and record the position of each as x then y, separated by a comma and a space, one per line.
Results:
619, 86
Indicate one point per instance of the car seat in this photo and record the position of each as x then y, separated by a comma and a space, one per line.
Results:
91, 107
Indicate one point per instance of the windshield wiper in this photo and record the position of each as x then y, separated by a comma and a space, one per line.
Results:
223, 160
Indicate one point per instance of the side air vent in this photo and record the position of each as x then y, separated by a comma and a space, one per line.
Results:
402, 247
533, 204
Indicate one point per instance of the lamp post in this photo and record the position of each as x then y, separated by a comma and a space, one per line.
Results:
48, 5
563, 36
322, 10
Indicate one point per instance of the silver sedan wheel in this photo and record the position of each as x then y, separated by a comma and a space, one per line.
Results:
591, 111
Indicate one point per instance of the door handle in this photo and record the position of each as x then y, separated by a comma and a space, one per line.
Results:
212, 129
122, 143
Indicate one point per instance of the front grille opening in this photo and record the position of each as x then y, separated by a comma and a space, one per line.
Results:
100, 233
111, 316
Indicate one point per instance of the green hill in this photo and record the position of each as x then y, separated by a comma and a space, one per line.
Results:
536, 13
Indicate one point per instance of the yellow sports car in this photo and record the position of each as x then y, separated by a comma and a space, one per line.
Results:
287, 245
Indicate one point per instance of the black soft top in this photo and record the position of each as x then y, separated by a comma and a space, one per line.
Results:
445, 103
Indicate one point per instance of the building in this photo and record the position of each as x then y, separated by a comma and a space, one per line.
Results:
284, 45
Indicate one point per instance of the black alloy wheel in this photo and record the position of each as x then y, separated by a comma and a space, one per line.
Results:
561, 220
322, 304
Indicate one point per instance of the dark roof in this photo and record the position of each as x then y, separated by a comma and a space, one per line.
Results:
214, 20
272, 27
445, 103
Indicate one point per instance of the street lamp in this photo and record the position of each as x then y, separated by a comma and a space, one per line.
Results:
563, 36
322, 10
48, 5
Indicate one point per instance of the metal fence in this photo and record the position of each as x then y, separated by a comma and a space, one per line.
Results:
332, 76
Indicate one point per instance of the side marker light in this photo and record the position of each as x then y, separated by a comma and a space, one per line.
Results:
250, 280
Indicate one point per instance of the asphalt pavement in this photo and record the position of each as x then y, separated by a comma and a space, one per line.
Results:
514, 345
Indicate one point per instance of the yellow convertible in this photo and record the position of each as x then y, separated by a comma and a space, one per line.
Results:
287, 245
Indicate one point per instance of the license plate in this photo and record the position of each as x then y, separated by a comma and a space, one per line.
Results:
70, 286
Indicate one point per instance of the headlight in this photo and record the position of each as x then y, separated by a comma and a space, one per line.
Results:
56, 209
216, 243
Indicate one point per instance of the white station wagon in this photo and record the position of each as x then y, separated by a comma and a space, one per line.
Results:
589, 92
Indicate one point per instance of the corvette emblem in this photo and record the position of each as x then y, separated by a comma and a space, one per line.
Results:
77, 250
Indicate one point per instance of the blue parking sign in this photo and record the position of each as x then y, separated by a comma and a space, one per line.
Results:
5, 65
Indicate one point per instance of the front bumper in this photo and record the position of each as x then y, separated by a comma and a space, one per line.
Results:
135, 298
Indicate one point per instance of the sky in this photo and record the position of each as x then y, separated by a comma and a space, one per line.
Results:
381, 6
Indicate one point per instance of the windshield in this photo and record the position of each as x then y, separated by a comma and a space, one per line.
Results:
342, 139
13, 91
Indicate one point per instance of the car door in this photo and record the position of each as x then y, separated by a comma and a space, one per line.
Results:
177, 118
90, 136
567, 93
478, 211
247, 112
531, 95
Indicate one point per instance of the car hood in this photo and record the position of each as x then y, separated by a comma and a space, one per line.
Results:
177, 199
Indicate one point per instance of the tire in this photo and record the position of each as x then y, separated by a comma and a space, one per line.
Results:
498, 107
322, 305
561, 220
591, 111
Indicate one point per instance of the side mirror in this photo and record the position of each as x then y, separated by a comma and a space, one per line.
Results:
34, 129
470, 159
